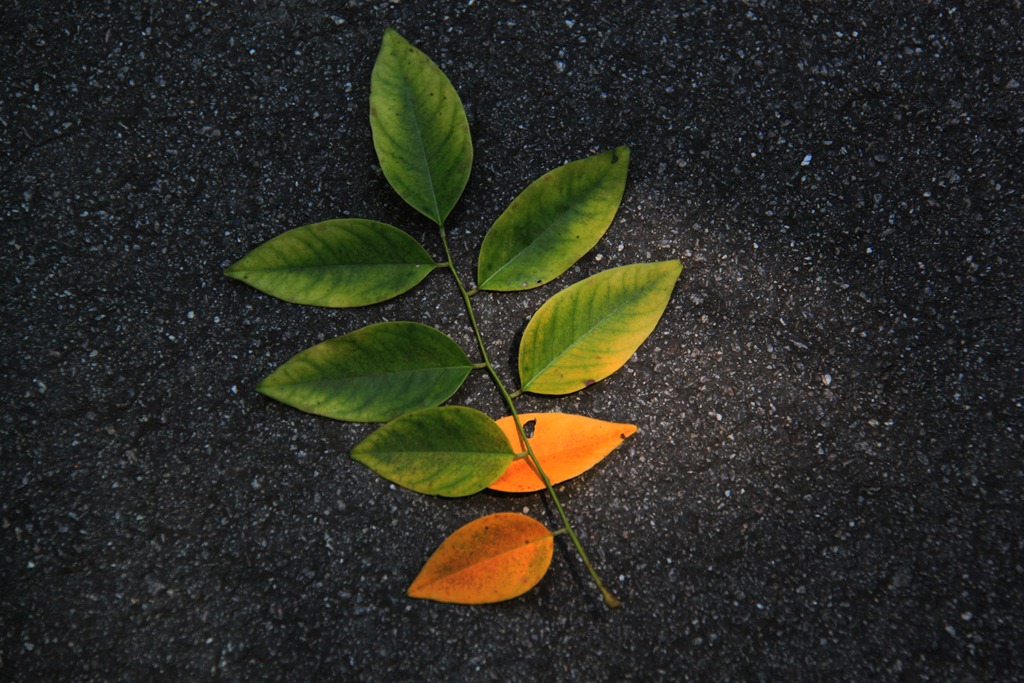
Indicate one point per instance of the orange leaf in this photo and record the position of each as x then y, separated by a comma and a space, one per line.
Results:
565, 445
494, 558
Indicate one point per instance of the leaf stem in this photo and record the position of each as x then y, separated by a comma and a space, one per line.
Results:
609, 599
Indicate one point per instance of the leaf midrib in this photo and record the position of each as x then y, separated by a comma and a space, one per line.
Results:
407, 93
558, 220
484, 562
489, 454
335, 266
397, 373
589, 332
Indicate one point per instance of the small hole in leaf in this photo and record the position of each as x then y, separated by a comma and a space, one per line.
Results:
528, 428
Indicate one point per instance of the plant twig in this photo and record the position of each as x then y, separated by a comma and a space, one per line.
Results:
609, 599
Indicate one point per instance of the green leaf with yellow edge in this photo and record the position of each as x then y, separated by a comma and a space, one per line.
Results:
589, 330
450, 451
553, 222
337, 263
565, 445
491, 559
373, 374
420, 130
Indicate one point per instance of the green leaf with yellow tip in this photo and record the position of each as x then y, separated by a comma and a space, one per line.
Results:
420, 130
553, 222
586, 332
338, 263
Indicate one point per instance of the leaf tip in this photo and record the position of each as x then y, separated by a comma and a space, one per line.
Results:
675, 265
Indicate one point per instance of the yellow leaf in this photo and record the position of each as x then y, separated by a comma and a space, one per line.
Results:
494, 558
565, 445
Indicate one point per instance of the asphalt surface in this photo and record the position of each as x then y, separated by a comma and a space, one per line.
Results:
827, 479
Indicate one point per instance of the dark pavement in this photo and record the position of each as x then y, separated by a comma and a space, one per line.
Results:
827, 480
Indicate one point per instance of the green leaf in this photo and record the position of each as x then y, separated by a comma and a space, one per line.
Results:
450, 451
553, 222
588, 331
373, 374
419, 129
338, 263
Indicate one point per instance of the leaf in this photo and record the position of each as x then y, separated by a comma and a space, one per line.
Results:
419, 129
565, 445
450, 451
494, 558
553, 222
373, 374
589, 330
338, 263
